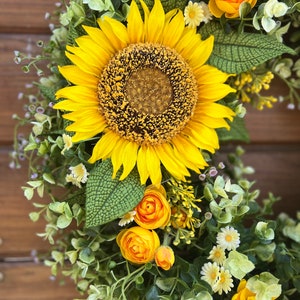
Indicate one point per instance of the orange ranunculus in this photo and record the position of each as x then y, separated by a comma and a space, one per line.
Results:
164, 257
137, 244
154, 210
229, 7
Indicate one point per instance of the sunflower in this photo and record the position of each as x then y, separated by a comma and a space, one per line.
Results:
145, 92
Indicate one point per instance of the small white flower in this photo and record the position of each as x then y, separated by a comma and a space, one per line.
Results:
272, 8
207, 15
193, 14
210, 272
67, 142
217, 255
78, 175
224, 282
228, 238
127, 218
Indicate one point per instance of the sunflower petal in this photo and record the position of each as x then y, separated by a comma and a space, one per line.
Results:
189, 151
153, 166
107, 29
83, 136
202, 136
166, 156
210, 74
142, 164
214, 110
129, 159
156, 23
135, 25
99, 38
78, 93
117, 155
213, 92
201, 52
79, 61
174, 27
104, 147
77, 76
88, 45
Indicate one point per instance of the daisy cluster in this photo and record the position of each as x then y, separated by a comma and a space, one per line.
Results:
127, 122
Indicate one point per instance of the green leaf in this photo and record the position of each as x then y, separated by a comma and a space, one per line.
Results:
63, 222
107, 198
49, 178
237, 132
237, 53
168, 4
86, 255
165, 284
48, 92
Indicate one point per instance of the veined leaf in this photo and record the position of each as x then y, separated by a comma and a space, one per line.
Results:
237, 53
107, 198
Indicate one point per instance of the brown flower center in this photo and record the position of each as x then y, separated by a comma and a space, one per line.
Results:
142, 89
147, 93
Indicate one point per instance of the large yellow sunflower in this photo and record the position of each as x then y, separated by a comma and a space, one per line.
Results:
145, 91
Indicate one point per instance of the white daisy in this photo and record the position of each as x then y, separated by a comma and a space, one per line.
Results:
224, 282
207, 15
217, 254
228, 238
78, 175
67, 142
127, 218
210, 272
193, 14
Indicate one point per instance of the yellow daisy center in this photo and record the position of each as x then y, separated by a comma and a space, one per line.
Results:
228, 238
147, 93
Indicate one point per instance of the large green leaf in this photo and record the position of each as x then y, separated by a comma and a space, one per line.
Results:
238, 52
168, 4
237, 132
108, 199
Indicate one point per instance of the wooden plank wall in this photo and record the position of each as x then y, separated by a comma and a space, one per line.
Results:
274, 153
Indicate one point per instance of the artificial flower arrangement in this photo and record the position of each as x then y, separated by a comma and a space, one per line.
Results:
134, 101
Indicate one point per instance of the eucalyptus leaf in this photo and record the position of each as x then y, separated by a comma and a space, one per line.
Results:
166, 284
238, 52
108, 199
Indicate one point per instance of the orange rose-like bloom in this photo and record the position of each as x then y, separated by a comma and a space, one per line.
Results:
229, 7
137, 244
154, 210
164, 257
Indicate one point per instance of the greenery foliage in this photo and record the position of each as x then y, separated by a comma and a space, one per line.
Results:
83, 204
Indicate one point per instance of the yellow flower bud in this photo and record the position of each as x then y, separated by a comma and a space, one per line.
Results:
164, 257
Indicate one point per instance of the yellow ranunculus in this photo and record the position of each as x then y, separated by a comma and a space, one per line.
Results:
243, 293
229, 7
138, 245
164, 257
154, 210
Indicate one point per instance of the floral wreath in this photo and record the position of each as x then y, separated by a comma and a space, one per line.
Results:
137, 99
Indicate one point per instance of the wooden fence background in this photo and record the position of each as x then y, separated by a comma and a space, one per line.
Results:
274, 152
